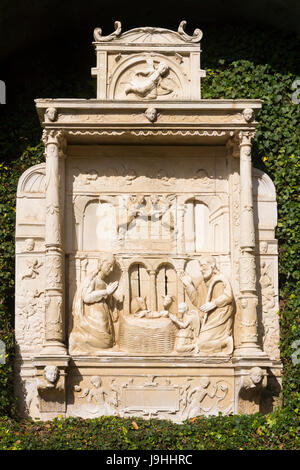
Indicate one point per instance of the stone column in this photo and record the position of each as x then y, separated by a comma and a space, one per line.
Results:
126, 290
180, 229
248, 296
153, 296
55, 144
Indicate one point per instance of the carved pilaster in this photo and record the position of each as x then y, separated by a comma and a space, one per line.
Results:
247, 269
55, 144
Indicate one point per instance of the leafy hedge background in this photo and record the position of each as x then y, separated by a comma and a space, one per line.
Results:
241, 62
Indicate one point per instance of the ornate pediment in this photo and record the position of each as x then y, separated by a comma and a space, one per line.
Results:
149, 35
148, 64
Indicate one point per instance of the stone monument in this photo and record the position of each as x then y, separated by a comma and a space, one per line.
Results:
146, 263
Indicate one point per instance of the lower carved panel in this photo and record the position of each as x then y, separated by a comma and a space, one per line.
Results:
149, 387
150, 391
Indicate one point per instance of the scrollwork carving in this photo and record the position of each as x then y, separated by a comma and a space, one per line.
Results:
196, 37
98, 33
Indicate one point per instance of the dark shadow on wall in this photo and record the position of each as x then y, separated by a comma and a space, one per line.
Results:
25, 24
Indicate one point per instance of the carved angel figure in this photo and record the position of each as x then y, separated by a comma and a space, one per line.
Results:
196, 397
32, 270
189, 327
149, 83
213, 298
98, 400
93, 328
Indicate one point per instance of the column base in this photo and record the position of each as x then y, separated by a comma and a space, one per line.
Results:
54, 348
250, 351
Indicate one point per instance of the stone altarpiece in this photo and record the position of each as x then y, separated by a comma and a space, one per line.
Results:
146, 263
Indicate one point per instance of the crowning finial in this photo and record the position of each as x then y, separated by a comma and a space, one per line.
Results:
98, 33
197, 34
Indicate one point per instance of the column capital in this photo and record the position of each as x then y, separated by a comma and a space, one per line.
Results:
55, 137
246, 137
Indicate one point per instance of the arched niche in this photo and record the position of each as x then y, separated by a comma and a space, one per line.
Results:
196, 226
32, 181
167, 284
265, 206
127, 68
263, 186
139, 286
99, 230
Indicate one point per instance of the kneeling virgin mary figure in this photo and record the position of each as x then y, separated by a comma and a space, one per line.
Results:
93, 328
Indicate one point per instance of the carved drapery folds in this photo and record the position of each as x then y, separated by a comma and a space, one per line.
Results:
150, 319
55, 147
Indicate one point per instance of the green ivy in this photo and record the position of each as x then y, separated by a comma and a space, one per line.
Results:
240, 63
278, 430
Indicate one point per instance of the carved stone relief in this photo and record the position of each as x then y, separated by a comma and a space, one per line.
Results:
146, 252
30, 310
95, 400
270, 318
249, 388
93, 328
156, 323
151, 396
51, 390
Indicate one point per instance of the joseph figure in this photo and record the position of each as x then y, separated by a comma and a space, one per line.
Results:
212, 296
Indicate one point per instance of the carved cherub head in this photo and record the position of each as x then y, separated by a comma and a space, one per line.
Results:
256, 374
96, 381
204, 382
151, 114
248, 114
29, 244
51, 373
51, 114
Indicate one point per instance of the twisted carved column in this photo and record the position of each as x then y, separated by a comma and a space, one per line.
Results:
248, 296
55, 145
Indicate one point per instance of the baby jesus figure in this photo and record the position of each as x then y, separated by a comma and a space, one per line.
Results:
143, 312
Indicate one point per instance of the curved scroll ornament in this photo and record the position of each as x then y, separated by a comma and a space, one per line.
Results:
98, 33
149, 34
197, 34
